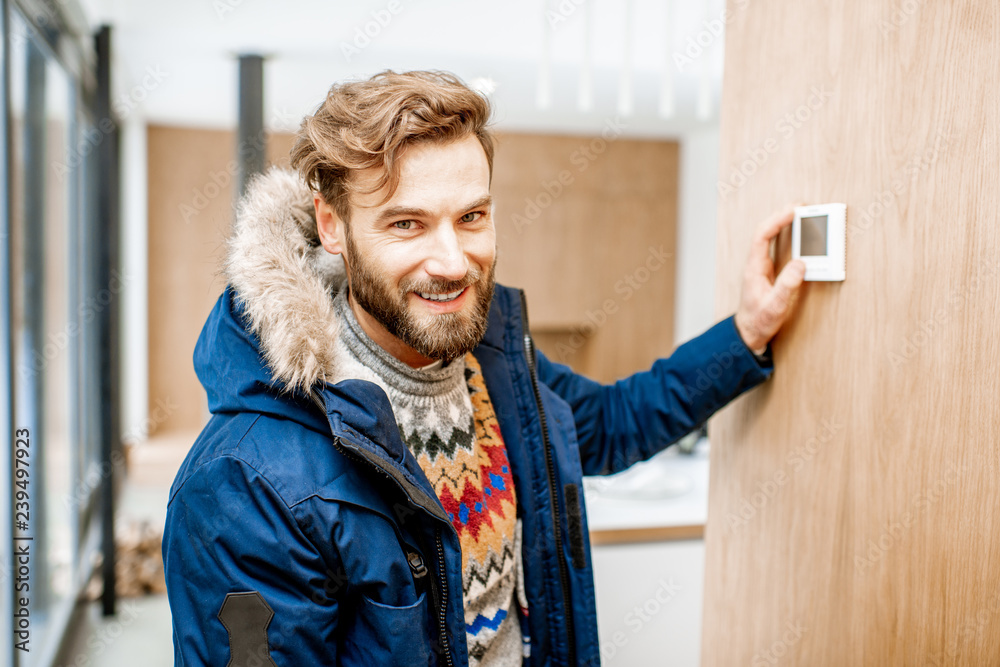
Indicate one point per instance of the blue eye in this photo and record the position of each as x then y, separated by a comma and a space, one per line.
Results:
403, 224
472, 217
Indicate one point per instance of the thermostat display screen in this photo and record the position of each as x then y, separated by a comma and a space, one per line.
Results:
819, 239
814, 232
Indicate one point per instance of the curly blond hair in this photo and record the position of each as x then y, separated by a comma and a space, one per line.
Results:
366, 124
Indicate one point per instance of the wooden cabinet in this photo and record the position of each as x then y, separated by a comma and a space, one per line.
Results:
587, 225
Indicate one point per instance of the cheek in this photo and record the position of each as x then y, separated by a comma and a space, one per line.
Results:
396, 262
483, 249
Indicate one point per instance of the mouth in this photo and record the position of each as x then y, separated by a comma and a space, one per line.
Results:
441, 298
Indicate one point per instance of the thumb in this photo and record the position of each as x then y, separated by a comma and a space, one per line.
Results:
783, 293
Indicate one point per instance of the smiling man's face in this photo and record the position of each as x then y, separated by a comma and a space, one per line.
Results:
420, 265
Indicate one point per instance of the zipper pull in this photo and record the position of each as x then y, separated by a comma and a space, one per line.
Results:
416, 563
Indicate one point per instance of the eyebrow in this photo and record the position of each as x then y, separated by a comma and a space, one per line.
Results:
416, 212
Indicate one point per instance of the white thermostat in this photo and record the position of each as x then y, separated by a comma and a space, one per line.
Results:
819, 238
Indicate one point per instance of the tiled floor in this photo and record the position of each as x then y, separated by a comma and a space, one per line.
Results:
140, 632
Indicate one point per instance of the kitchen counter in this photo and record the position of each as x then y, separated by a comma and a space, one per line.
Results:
664, 498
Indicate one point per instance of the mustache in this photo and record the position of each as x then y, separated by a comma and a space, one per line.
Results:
439, 286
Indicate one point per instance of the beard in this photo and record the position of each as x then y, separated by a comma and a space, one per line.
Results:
444, 336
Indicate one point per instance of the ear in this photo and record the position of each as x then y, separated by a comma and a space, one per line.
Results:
329, 226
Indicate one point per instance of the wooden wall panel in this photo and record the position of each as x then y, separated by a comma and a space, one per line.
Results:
587, 225
191, 174
853, 514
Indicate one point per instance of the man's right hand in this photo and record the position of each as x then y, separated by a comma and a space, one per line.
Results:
766, 302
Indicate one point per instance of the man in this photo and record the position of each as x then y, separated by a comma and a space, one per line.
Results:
392, 473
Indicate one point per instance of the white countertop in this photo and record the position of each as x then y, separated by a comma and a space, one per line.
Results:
670, 489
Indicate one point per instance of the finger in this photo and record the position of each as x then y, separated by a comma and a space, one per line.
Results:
772, 226
782, 296
760, 249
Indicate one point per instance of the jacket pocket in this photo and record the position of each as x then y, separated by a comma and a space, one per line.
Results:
381, 635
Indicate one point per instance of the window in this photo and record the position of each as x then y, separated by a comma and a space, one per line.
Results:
57, 308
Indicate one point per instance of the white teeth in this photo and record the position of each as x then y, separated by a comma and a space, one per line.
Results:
451, 296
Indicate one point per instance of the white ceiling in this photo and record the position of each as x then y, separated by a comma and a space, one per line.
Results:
176, 59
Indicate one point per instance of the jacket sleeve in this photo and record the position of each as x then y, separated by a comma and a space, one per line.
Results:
244, 583
636, 417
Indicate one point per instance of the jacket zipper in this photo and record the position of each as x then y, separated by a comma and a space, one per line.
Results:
529, 351
442, 577
443, 609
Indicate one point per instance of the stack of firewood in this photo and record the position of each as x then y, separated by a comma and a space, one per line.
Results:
139, 563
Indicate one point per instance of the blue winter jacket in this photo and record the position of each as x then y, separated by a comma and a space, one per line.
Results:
301, 531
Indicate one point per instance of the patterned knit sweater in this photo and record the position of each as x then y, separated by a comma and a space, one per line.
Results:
447, 421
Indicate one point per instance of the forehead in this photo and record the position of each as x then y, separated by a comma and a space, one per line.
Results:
432, 176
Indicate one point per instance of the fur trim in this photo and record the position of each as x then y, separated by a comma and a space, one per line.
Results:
285, 280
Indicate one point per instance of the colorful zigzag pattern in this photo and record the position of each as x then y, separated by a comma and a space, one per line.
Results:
477, 490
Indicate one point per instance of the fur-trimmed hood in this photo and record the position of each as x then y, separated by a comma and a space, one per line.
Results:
274, 333
284, 280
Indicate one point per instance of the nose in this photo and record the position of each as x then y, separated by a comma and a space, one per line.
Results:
448, 260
